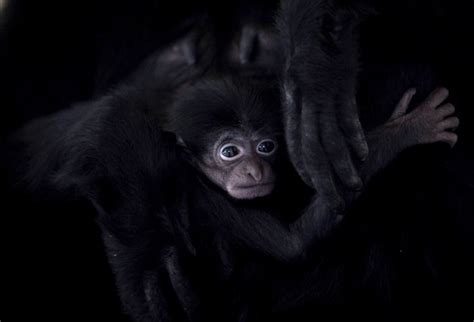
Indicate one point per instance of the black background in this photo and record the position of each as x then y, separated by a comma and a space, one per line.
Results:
54, 53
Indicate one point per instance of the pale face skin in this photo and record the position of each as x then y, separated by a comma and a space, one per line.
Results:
241, 164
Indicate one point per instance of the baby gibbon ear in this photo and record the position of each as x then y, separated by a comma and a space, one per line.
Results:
345, 14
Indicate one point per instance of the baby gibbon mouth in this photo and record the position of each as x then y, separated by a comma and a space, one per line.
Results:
253, 186
252, 191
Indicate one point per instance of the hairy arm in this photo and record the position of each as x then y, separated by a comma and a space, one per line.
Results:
322, 126
112, 152
430, 122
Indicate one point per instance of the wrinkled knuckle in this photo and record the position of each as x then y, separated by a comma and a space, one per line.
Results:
355, 182
420, 109
352, 180
350, 130
338, 206
361, 147
430, 137
439, 137
428, 140
341, 163
364, 151
350, 120
430, 118
438, 127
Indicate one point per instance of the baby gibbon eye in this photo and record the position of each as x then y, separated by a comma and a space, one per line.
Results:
266, 147
230, 152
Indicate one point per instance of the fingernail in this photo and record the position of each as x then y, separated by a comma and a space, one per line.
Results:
357, 183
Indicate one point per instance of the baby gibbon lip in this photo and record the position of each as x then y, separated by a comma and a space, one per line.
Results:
257, 185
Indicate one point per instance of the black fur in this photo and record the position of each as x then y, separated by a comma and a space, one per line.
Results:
183, 250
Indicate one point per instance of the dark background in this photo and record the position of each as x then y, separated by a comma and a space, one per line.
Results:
55, 53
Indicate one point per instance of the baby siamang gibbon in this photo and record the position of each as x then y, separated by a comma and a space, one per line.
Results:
220, 180
190, 176
190, 187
